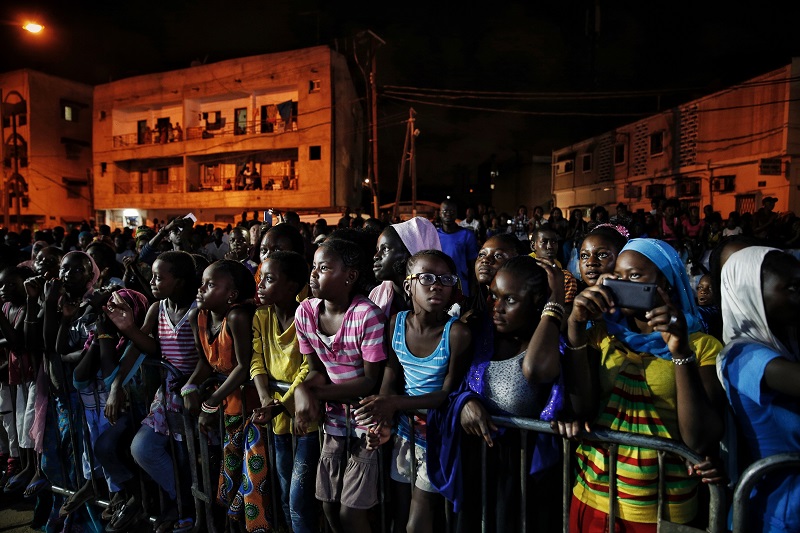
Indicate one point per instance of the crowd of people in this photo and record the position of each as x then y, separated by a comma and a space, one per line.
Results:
405, 338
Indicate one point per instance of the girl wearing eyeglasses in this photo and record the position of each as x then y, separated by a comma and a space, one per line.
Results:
427, 359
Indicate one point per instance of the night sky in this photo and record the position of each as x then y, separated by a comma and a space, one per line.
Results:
502, 79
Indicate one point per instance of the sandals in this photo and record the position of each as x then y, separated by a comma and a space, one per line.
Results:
72, 503
166, 520
17, 482
125, 518
36, 487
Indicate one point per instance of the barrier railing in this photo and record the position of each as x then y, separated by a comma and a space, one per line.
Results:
752, 475
203, 478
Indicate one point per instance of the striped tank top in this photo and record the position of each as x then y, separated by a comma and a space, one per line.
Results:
177, 340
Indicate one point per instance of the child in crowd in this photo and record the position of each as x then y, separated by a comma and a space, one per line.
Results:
277, 356
427, 359
759, 369
167, 334
340, 332
68, 320
223, 331
18, 394
239, 243
710, 313
395, 245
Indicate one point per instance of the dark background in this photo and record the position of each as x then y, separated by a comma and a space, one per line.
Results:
574, 74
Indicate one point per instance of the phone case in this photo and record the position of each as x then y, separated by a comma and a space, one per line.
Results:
631, 295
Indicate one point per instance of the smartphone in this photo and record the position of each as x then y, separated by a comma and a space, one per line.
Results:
631, 295
268, 216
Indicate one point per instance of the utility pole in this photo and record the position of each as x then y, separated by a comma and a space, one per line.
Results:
6, 195
372, 111
408, 155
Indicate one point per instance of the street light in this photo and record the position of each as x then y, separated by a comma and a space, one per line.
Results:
32, 27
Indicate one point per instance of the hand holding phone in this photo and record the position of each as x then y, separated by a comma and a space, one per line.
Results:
632, 295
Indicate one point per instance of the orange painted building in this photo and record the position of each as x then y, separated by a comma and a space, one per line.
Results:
728, 150
281, 131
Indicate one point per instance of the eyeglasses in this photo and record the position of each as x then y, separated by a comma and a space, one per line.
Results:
427, 279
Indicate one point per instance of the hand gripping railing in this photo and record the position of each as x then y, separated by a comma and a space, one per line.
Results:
751, 476
716, 515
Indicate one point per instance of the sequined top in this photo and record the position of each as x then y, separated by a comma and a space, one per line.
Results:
506, 391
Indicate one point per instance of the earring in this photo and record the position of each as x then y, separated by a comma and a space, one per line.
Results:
347, 283
229, 301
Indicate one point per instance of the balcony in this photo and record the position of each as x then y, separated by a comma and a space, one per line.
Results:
240, 129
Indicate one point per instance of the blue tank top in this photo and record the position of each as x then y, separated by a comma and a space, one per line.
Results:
422, 375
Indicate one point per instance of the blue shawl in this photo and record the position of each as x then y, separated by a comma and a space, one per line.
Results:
664, 256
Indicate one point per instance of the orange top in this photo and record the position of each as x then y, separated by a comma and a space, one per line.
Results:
221, 355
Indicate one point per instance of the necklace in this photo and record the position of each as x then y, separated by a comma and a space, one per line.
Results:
214, 329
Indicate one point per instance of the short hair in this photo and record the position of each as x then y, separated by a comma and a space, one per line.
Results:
243, 279
291, 233
353, 256
508, 239
182, 265
528, 270
437, 254
292, 264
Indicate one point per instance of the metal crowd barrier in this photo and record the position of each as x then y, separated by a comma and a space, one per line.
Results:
752, 475
203, 482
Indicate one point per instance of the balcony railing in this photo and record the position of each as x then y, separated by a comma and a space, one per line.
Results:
253, 127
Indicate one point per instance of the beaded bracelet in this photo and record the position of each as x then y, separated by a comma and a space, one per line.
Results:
576, 348
684, 360
554, 306
551, 314
105, 336
208, 409
186, 390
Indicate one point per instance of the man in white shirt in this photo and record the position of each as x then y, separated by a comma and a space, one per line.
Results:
470, 222
217, 248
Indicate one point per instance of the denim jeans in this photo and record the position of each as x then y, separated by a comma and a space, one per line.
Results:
150, 450
297, 477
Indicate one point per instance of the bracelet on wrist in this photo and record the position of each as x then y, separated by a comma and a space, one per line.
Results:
684, 360
102, 336
554, 306
186, 390
551, 314
208, 409
576, 348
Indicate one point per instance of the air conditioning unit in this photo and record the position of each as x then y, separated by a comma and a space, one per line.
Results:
633, 191
688, 188
655, 190
562, 167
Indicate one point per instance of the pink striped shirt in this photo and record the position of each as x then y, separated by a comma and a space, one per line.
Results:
359, 339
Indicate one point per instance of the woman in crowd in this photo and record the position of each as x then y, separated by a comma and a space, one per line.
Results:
760, 370
395, 245
516, 363
655, 365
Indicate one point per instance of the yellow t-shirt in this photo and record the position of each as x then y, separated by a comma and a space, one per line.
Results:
277, 355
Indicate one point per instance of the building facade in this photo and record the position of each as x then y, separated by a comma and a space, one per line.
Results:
46, 150
282, 131
727, 150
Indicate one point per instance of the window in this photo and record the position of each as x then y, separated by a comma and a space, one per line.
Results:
657, 143
587, 162
70, 111
162, 176
724, 183
22, 119
314, 153
75, 187
619, 154
314, 86
770, 166
240, 127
